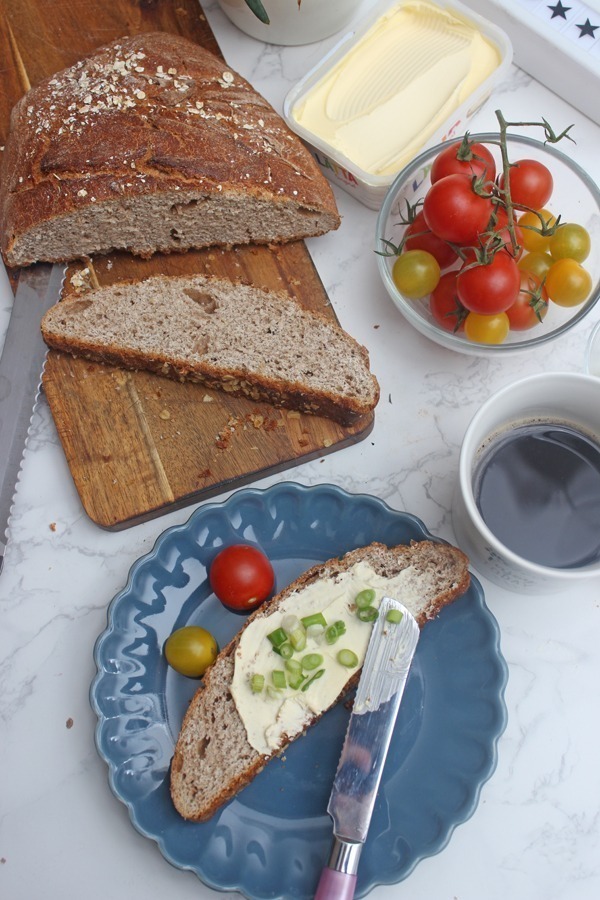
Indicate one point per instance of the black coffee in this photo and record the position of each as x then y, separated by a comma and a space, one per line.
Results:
537, 488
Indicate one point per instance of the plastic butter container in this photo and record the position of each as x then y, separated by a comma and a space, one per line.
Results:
409, 76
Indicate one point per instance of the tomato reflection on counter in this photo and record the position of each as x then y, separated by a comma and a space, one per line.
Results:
488, 251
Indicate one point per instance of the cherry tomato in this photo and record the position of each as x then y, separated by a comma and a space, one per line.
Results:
530, 224
487, 329
531, 305
491, 288
568, 283
446, 308
530, 182
419, 237
462, 158
242, 577
191, 650
454, 211
536, 262
416, 273
570, 241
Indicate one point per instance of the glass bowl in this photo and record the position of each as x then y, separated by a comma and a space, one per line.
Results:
575, 197
592, 352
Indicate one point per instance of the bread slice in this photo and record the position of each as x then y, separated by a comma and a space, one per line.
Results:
234, 337
153, 144
213, 757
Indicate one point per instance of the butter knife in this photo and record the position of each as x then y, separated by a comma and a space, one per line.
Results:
21, 367
389, 656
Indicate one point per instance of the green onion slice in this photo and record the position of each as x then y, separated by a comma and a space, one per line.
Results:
368, 614
335, 631
364, 598
311, 661
257, 683
347, 658
314, 677
278, 679
293, 666
285, 650
278, 637
314, 619
394, 616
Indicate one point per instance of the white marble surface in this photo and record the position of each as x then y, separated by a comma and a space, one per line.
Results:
536, 832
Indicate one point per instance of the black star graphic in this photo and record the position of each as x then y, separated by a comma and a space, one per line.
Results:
559, 10
587, 29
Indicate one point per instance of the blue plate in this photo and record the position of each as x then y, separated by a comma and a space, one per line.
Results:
272, 840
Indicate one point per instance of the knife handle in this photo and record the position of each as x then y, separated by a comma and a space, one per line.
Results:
334, 885
338, 879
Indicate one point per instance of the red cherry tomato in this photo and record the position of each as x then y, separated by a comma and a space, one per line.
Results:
419, 237
454, 211
459, 159
531, 183
446, 308
489, 288
242, 577
531, 305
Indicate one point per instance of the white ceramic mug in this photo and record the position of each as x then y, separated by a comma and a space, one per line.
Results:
562, 397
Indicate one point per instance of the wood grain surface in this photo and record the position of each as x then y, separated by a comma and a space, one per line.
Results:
139, 445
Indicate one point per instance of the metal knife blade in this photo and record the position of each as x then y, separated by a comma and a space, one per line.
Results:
378, 696
21, 366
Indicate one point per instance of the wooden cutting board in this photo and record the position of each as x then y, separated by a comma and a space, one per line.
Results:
139, 445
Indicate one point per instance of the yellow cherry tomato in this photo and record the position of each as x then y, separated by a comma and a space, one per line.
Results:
568, 283
487, 329
531, 224
570, 241
191, 650
416, 273
537, 263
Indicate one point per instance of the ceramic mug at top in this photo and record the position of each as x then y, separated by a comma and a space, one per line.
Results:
563, 398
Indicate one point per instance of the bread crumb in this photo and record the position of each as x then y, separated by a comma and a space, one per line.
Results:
69, 722
164, 414
52, 526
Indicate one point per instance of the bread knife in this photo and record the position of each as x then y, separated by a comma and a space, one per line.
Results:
389, 657
21, 367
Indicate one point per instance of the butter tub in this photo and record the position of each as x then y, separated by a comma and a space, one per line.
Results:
409, 76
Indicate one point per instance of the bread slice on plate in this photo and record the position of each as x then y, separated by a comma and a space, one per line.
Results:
222, 744
153, 143
240, 339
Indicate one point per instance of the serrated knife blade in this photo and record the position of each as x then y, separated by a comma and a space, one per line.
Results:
387, 662
21, 367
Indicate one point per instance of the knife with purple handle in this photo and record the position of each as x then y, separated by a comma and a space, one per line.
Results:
21, 366
389, 656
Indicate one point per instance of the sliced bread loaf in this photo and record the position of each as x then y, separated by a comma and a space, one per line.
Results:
243, 340
153, 144
214, 757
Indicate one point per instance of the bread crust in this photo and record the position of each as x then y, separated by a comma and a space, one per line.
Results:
147, 116
188, 756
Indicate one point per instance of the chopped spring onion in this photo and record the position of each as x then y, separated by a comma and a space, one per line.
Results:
364, 598
314, 619
278, 637
293, 666
257, 683
285, 650
394, 616
313, 678
311, 661
368, 614
295, 631
335, 631
347, 658
278, 679
295, 679
273, 692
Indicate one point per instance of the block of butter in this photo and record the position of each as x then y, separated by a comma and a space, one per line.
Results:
408, 77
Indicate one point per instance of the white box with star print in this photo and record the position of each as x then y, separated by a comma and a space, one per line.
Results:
557, 42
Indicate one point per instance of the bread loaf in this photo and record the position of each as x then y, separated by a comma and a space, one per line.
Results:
213, 757
153, 144
237, 338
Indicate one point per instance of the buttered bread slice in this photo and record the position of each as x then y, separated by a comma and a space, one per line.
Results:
236, 723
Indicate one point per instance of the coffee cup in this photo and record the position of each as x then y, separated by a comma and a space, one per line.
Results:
526, 508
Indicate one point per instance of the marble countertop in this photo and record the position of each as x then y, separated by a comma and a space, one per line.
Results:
535, 834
